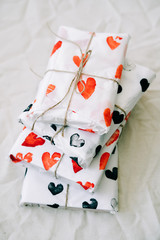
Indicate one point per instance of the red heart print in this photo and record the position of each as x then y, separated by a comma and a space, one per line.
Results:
56, 47
128, 115
27, 157
112, 43
87, 130
14, 159
107, 116
32, 140
120, 38
87, 185
50, 88
48, 161
89, 87
77, 60
19, 157
113, 138
76, 167
103, 160
119, 71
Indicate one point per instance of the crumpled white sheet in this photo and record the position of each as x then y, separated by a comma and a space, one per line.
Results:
24, 39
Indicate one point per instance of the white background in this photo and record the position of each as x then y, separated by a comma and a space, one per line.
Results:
25, 41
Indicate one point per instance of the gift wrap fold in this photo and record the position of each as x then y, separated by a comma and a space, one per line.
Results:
44, 190
83, 144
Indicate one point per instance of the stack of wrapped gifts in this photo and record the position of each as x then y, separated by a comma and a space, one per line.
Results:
69, 139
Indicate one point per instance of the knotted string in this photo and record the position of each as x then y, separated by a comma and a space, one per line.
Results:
125, 114
67, 192
55, 173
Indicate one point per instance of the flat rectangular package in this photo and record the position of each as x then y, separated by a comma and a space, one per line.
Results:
44, 190
32, 151
83, 144
65, 99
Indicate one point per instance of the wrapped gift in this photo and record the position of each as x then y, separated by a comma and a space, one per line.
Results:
84, 144
44, 190
81, 80
30, 150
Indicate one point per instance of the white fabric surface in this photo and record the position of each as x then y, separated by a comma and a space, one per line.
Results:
26, 42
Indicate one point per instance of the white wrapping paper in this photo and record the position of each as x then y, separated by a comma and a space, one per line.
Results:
44, 190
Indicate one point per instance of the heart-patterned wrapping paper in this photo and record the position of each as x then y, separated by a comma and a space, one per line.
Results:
85, 144
44, 190
30, 150
96, 89
89, 138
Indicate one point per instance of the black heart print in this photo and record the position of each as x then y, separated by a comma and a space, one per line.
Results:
49, 138
28, 108
113, 152
75, 159
20, 121
119, 89
117, 117
26, 172
55, 205
55, 189
92, 205
98, 149
114, 204
54, 127
112, 174
75, 141
144, 84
